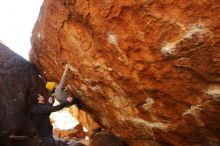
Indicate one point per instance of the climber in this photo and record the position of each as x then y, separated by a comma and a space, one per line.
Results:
59, 92
41, 112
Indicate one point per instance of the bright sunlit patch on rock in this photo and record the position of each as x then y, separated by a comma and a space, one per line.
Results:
87, 138
62, 119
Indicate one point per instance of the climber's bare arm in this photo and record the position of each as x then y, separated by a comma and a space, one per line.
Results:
63, 78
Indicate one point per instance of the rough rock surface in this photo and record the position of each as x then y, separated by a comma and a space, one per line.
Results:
18, 82
85, 119
105, 138
76, 132
147, 70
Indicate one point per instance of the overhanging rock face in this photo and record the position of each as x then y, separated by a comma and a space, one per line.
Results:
149, 71
19, 81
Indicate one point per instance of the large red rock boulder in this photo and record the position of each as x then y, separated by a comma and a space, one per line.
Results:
19, 81
149, 71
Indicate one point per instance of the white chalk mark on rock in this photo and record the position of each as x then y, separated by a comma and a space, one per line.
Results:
192, 110
149, 102
199, 29
214, 92
158, 125
112, 39
195, 112
40, 35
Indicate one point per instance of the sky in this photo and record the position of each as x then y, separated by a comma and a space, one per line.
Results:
17, 19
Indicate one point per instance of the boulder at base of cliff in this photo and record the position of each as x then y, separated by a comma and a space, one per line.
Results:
19, 81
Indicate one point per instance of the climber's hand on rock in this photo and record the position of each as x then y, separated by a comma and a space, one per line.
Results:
66, 67
69, 99
51, 100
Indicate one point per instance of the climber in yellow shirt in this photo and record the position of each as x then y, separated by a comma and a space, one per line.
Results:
59, 92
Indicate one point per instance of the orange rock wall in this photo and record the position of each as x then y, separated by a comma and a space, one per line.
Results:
147, 70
